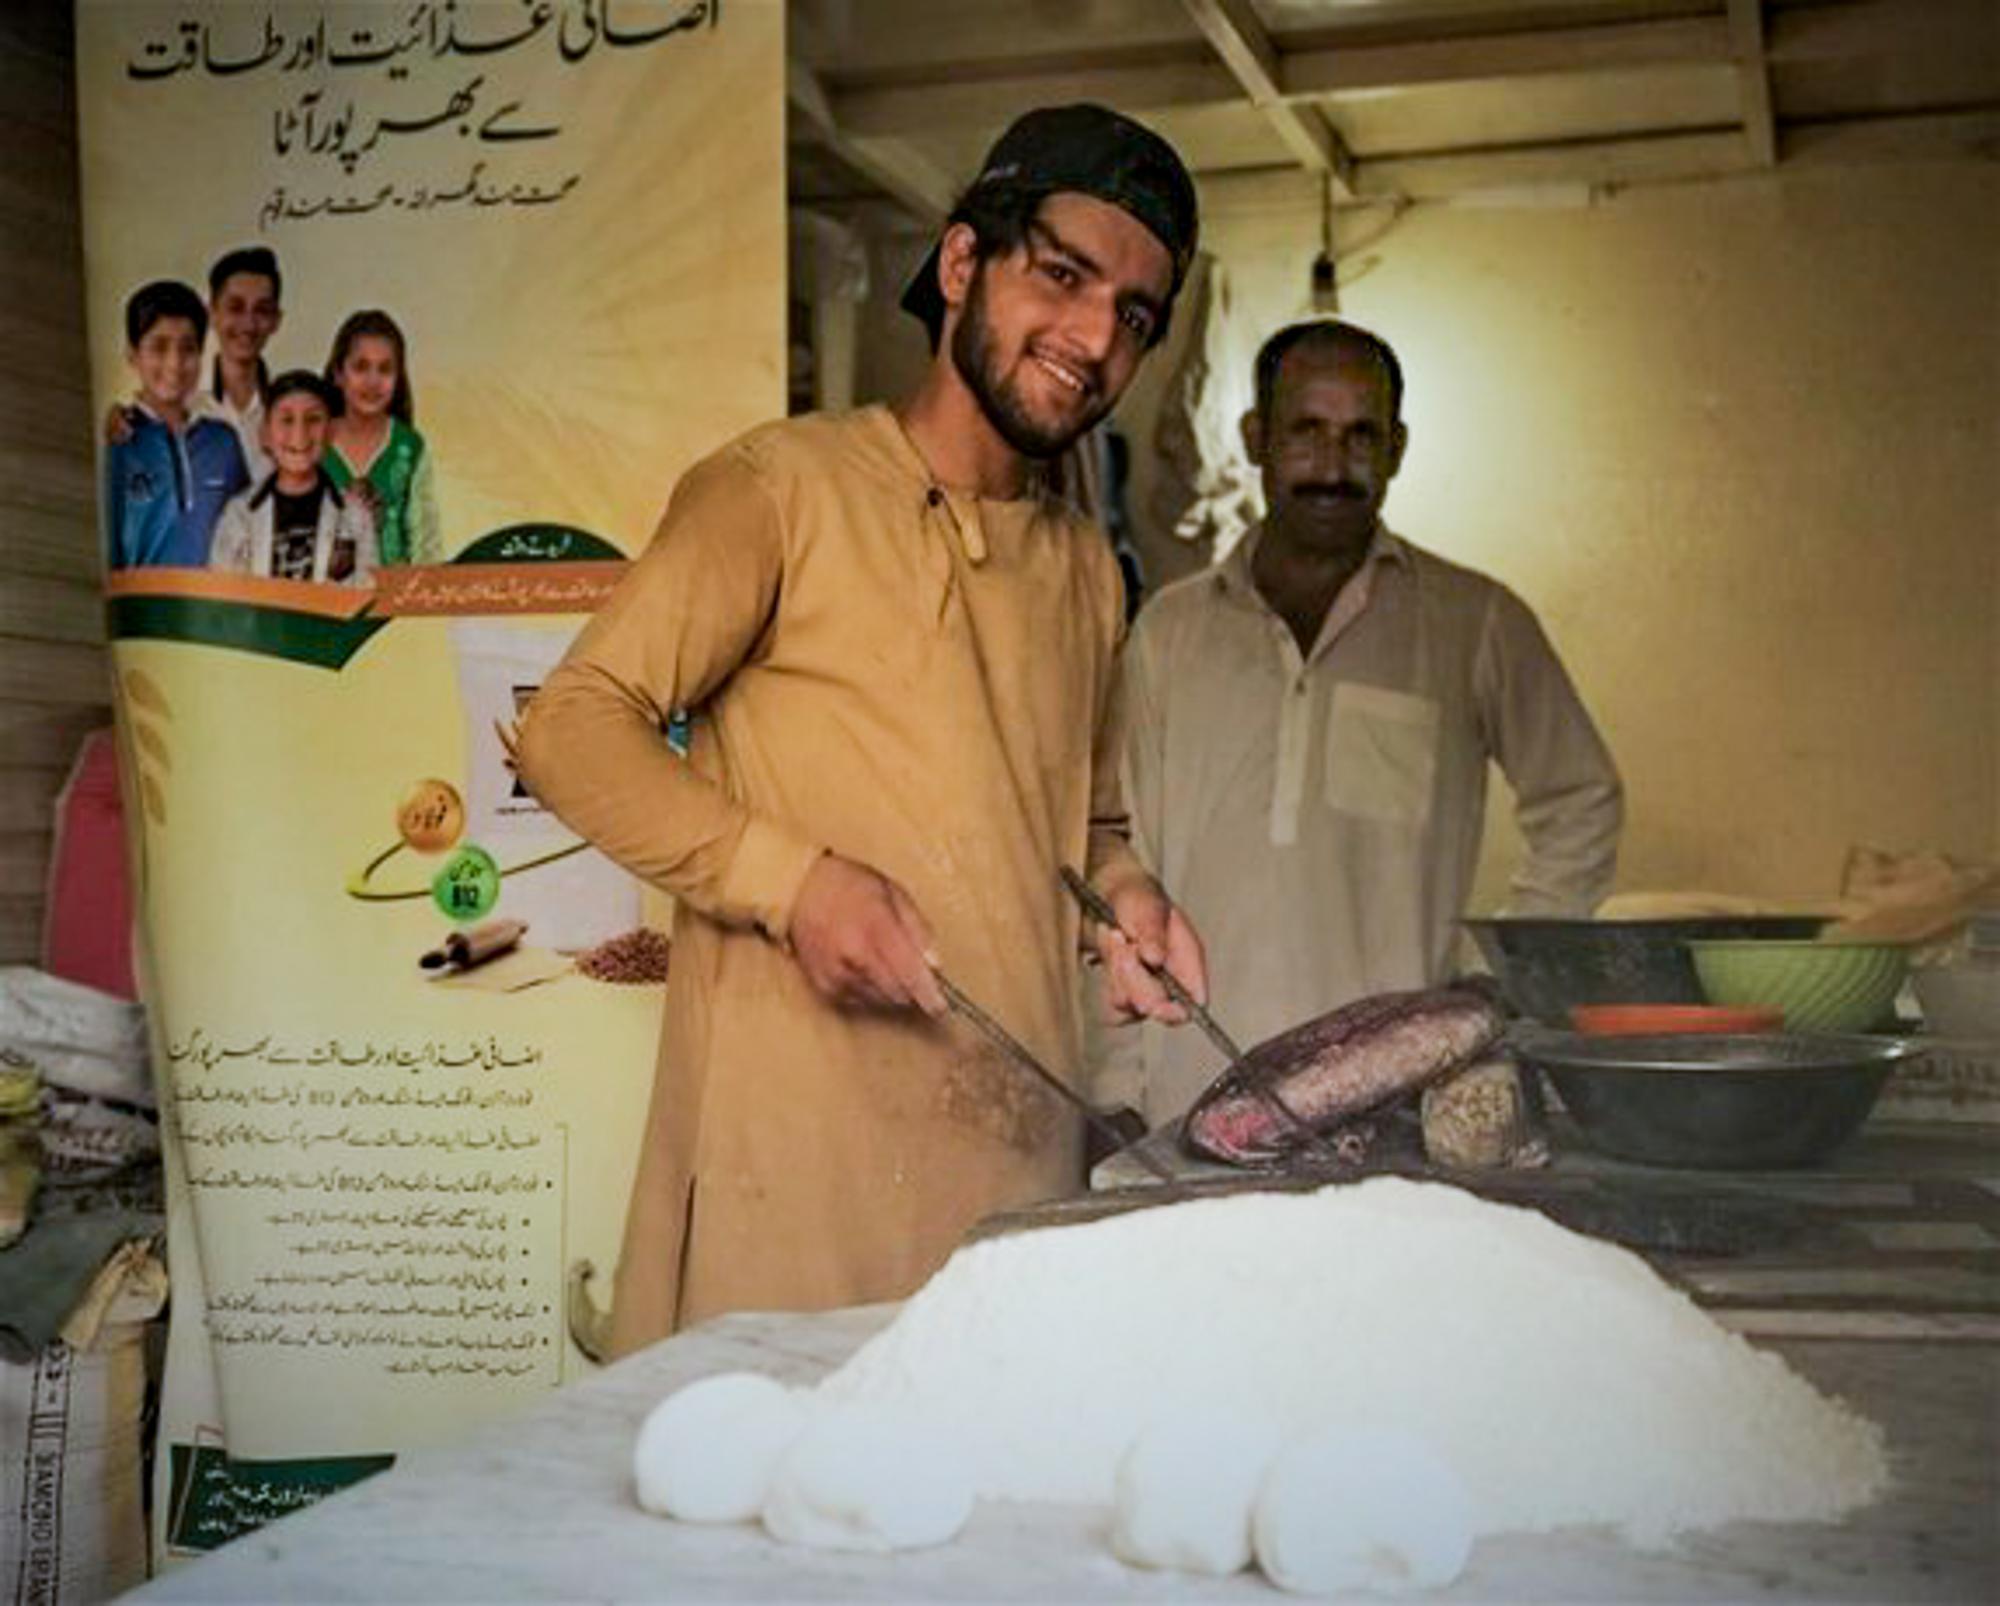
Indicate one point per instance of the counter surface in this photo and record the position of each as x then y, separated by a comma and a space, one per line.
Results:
539, 1508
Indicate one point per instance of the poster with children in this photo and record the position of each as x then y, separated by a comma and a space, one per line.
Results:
405, 317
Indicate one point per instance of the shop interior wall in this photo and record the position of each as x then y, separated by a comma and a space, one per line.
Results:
1738, 443
53, 674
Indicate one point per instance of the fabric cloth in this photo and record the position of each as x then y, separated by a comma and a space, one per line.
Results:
913, 678
46, 1274
1206, 490
165, 488
1319, 815
248, 536
397, 482
76, 1036
87, 918
20, 1171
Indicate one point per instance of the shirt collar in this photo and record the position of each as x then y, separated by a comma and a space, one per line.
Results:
215, 392
203, 404
1233, 576
268, 488
146, 410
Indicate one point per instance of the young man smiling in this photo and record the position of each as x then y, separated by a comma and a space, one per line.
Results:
900, 655
244, 309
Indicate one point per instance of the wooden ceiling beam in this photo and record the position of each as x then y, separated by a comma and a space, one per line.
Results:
1697, 154
890, 164
874, 121
1239, 38
986, 96
1646, 159
1470, 58
1753, 80
986, 99
1904, 136
1959, 28
989, 102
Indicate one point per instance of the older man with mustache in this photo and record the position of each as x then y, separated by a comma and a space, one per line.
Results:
1311, 724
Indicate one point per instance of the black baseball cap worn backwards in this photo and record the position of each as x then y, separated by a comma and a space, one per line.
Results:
1096, 152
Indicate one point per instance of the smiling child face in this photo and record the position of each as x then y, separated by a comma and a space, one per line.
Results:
245, 313
367, 376
295, 436
167, 361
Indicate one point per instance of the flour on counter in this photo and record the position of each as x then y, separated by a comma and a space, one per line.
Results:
1559, 1378
1370, 1513
1186, 1488
869, 1478
709, 1452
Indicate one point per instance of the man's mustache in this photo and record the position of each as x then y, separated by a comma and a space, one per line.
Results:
1329, 490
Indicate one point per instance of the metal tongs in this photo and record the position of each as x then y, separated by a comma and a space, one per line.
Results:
1018, 1052
1093, 905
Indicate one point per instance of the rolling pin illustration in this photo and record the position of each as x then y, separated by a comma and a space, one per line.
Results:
464, 950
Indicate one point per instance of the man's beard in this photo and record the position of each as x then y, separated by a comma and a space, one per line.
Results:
1000, 400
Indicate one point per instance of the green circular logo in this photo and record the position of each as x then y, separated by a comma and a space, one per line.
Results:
468, 886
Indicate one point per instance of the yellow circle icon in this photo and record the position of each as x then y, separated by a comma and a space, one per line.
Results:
432, 817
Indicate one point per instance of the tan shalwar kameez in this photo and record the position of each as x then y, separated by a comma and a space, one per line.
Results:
911, 677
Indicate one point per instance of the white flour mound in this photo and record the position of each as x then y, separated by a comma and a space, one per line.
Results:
866, 1478
1186, 1488
1558, 1377
1344, 1513
709, 1452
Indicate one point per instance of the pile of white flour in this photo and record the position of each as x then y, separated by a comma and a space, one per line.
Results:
1559, 1377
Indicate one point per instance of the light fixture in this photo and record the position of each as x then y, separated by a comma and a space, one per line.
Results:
1324, 294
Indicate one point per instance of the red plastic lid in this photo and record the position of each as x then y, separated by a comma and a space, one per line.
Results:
1631, 1020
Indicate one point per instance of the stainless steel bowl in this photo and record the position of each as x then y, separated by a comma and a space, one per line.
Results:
1726, 1102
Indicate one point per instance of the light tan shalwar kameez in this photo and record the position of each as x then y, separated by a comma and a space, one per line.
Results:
913, 678
1318, 814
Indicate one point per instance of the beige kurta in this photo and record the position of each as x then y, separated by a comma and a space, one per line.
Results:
915, 679
1318, 815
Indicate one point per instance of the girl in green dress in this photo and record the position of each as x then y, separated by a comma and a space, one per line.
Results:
373, 449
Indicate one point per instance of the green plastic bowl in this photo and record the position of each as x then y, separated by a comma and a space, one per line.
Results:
1821, 986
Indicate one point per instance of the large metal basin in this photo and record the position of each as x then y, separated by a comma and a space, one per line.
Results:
1754, 1102
1546, 965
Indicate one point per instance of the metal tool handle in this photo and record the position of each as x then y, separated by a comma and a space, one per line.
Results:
1018, 1052
1094, 904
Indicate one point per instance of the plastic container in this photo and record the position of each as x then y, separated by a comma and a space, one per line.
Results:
1821, 986
1547, 965
1960, 1001
1636, 1020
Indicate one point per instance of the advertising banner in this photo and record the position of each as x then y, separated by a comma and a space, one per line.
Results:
404, 320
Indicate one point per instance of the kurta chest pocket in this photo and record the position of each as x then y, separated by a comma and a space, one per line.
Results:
1381, 753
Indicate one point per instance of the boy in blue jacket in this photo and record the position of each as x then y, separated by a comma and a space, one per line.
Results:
167, 482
